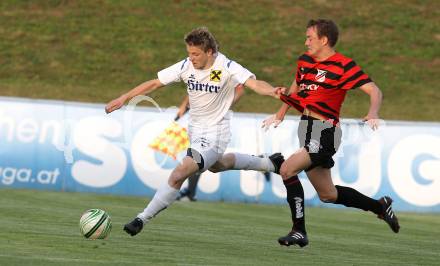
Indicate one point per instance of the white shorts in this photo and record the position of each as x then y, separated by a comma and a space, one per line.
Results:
209, 142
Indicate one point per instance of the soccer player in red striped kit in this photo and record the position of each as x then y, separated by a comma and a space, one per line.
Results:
322, 79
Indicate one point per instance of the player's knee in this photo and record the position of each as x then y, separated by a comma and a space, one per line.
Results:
283, 171
287, 172
178, 176
215, 169
219, 166
328, 196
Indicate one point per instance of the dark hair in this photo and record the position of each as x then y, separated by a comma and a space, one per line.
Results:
325, 28
203, 38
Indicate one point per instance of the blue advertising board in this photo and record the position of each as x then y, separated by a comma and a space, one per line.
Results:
65, 146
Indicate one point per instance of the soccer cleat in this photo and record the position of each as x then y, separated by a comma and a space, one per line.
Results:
294, 238
192, 198
182, 193
185, 193
388, 215
134, 227
277, 160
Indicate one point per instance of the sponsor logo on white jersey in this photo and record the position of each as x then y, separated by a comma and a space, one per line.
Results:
195, 85
215, 75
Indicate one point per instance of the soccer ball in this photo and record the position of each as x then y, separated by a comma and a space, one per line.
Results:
95, 224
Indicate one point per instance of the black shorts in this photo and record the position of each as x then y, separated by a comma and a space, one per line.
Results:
321, 139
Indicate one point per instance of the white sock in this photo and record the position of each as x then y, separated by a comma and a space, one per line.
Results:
163, 198
250, 162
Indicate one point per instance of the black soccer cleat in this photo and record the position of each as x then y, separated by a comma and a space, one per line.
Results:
294, 238
388, 215
182, 193
185, 193
134, 227
277, 160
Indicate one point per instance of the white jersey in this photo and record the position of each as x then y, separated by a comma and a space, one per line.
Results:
211, 91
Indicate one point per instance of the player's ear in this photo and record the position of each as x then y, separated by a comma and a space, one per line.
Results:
209, 52
324, 40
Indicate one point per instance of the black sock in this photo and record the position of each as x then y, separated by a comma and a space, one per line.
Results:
295, 198
352, 198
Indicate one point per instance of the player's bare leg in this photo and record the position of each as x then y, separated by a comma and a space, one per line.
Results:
185, 169
297, 162
322, 181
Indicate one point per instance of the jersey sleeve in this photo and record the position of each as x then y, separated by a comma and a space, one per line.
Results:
173, 73
353, 77
239, 74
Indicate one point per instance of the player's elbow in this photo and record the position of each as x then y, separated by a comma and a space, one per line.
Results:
155, 83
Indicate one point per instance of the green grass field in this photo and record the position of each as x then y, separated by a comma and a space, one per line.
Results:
41, 228
94, 51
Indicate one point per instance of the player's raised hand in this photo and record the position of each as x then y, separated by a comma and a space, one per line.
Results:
115, 104
271, 120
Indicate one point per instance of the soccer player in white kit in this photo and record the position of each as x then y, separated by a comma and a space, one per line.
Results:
210, 78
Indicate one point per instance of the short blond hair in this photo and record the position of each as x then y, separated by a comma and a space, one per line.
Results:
203, 38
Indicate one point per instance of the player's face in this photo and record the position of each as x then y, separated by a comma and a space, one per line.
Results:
313, 42
198, 57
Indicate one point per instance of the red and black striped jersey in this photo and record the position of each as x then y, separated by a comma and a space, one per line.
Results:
323, 85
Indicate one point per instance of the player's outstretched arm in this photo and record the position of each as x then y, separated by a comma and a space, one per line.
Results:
261, 87
141, 89
375, 94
